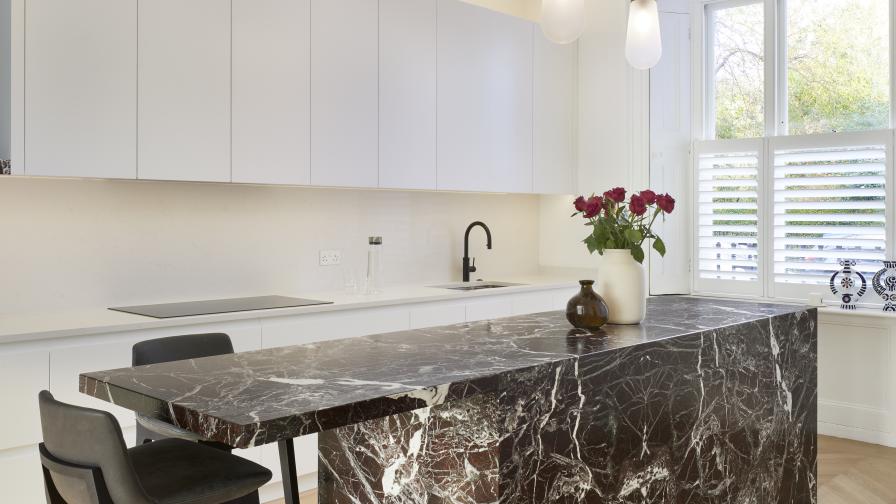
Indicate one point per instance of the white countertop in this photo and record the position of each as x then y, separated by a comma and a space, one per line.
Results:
81, 322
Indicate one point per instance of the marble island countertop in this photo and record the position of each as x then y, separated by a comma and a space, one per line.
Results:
87, 321
258, 397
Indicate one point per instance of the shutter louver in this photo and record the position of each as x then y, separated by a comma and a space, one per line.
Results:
728, 216
829, 204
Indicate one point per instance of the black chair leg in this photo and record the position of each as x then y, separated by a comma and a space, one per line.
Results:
287, 451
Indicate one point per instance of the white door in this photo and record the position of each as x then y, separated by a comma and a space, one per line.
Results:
555, 98
184, 90
407, 120
670, 138
484, 100
344, 96
81, 88
272, 91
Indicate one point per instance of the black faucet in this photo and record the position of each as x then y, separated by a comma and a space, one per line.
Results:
468, 266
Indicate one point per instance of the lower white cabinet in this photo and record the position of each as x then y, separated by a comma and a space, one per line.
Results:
437, 314
24, 375
301, 329
56, 365
490, 307
533, 302
114, 351
22, 476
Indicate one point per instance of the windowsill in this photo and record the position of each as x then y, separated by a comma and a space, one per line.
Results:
858, 312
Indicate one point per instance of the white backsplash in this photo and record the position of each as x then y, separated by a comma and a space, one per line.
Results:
88, 243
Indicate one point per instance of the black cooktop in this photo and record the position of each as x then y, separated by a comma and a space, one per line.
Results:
213, 306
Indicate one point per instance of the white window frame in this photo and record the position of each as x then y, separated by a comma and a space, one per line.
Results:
797, 292
717, 287
776, 116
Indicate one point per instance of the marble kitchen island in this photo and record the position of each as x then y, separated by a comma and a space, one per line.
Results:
707, 400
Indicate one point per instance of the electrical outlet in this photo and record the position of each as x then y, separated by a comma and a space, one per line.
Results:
330, 257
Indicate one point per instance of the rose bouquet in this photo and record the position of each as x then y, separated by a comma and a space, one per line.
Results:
617, 224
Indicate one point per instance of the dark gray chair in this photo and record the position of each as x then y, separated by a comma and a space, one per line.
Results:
175, 348
85, 461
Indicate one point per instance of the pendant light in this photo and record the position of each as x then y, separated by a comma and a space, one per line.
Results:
563, 21
643, 45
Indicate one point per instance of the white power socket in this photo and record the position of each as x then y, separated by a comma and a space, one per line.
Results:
330, 257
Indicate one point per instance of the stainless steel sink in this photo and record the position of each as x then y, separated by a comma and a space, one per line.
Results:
471, 286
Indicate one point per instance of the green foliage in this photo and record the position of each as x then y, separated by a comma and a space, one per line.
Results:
616, 228
837, 67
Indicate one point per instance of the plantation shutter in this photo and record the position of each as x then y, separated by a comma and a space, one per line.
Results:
728, 213
829, 204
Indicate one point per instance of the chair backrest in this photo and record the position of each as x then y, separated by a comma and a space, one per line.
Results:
88, 438
175, 348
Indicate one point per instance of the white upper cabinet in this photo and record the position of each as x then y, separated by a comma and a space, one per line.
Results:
555, 116
344, 93
484, 100
184, 90
271, 91
81, 78
407, 107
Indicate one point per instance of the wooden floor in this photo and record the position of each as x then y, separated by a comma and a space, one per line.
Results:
849, 472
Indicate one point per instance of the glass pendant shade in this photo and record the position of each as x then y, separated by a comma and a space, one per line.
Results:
643, 45
563, 21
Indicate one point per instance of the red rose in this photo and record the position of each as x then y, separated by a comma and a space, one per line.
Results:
580, 204
649, 196
637, 205
616, 194
593, 206
665, 202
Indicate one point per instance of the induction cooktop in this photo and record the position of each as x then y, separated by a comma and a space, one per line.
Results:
213, 306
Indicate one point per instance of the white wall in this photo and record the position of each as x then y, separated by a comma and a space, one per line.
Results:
90, 243
613, 132
857, 376
5, 76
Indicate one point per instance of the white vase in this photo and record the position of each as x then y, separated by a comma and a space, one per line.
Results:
622, 283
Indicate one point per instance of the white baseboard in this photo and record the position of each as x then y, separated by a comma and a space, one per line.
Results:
855, 434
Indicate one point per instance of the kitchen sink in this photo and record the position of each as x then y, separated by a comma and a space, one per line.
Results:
471, 286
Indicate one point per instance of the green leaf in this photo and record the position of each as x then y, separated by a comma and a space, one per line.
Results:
591, 243
637, 253
659, 246
633, 235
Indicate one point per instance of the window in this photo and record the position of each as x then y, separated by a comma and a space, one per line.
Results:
728, 180
796, 170
736, 60
838, 65
829, 204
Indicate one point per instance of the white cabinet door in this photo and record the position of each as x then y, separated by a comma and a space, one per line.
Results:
114, 351
533, 302
271, 91
22, 478
407, 120
81, 88
487, 308
484, 100
437, 314
24, 374
302, 329
344, 102
184, 90
555, 116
